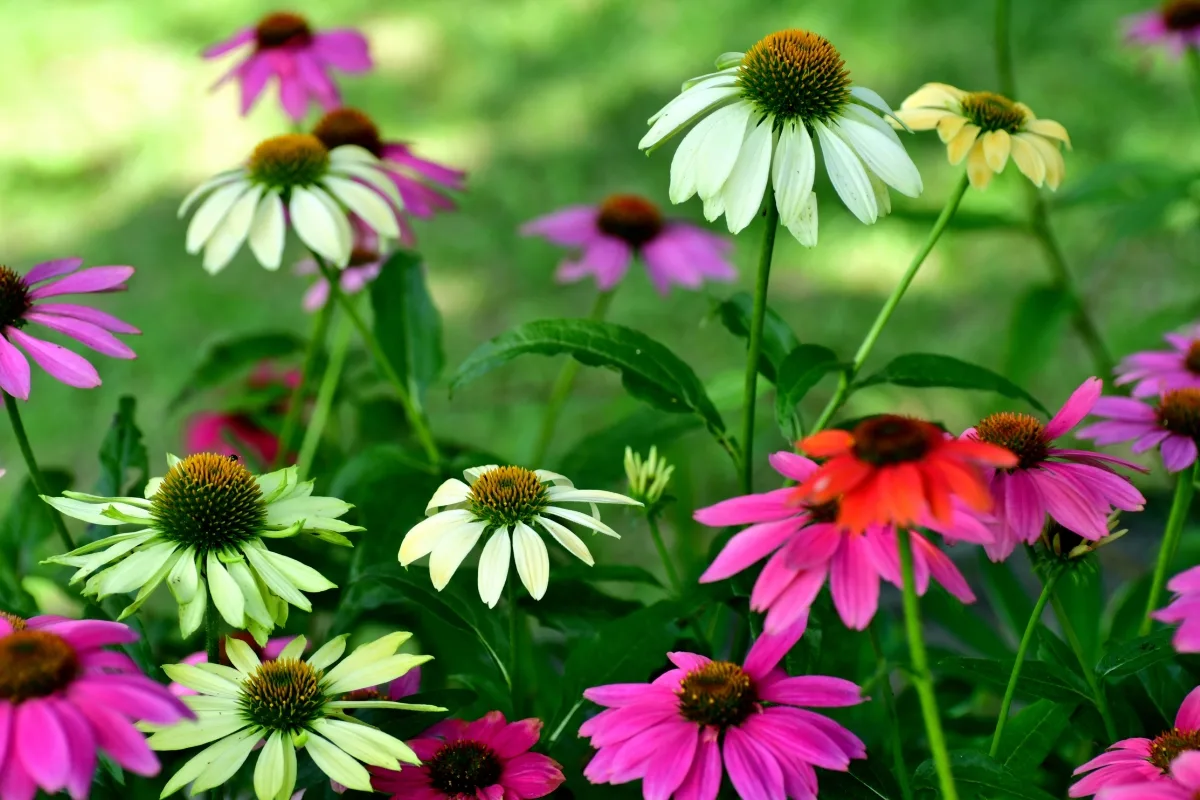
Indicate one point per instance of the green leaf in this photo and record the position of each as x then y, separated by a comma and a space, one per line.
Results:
967, 626
978, 776
1128, 658
649, 371
29, 520
778, 339
224, 359
1038, 322
925, 370
1037, 679
1125, 610
598, 458
1006, 595
800, 371
407, 323
1166, 690
1031, 735
123, 451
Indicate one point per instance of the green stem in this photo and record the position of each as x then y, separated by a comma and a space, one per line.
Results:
1030, 629
1004, 57
889, 703
325, 395
35, 474
885, 313
295, 409
1185, 488
661, 546
754, 350
922, 679
212, 633
1089, 670
563, 385
514, 641
1193, 60
408, 400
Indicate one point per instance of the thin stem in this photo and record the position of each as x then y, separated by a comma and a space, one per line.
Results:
1193, 60
408, 400
885, 313
1089, 671
754, 350
514, 658
325, 395
312, 352
35, 474
1004, 56
212, 634
1185, 488
1030, 629
889, 703
563, 384
922, 680
661, 546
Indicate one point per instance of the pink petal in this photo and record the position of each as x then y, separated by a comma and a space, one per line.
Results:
52, 269
574, 226
516, 737
92, 336
242, 37
96, 279
486, 727
99, 318
1023, 509
687, 661
6, 715
15, 783
854, 583
769, 649
1186, 769
343, 48
310, 72
82, 764
792, 465
1104, 433
293, 93
1078, 406
815, 691
943, 569
1178, 452
61, 363
618, 694
704, 780
786, 733
672, 761
1186, 581
88, 634
750, 508
131, 695
253, 75
814, 546
749, 547
1188, 717
792, 605
530, 775
41, 744
625, 723
606, 258
1123, 408
14, 369
1070, 507
123, 743
753, 771
401, 154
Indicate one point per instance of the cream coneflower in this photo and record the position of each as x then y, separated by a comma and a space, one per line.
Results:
512, 504
757, 120
291, 180
287, 704
986, 128
203, 529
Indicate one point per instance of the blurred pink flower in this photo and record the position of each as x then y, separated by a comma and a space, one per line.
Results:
1184, 610
1175, 25
626, 226
234, 433
21, 303
1173, 427
366, 261
285, 47
1184, 784
1154, 372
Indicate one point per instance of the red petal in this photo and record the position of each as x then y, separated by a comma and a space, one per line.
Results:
964, 480
901, 488
835, 477
937, 492
827, 443
974, 450
860, 508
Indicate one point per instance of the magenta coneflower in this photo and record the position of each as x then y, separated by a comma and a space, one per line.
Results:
1184, 610
366, 261
680, 733
21, 303
1174, 426
300, 59
624, 226
1133, 761
1076, 488
1175, 25
487, 759
1184, 784
1154, 372
810, 547
64, 699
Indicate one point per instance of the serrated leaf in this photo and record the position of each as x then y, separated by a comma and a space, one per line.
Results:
801, 370
1030, 736
927, 370
1037, 679
778, 339
978, 776
124, 465
407, 323
1128, 658
222, 360
1039, 320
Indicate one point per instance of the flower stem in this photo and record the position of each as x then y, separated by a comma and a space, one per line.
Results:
563, 384
864, 350
409, 400
1089, 671
316, 343
1185, 488
35, 474
1004, 57
661, 546
514, 640
889, 703
754, 349
1011, 689
922, 680
325, 394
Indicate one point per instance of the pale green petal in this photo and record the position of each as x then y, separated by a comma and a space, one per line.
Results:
285, 512
562, 494
368, 653
100, 544
367, 744
77, 509
172, 460
185, 577
134, 570
275, 484
337, 765
95, 498
270, 770
302, 576
425, 535
90, 563
375, 673
289, 770
127, 514
241, 656
273, 578
149, 586
226, 594
191, 615
183, 735
294, 649
546, 476
329, 653
221, 671
226, 765
200, 681
383, 704
202, 761
152, 487
209, 704
256, 607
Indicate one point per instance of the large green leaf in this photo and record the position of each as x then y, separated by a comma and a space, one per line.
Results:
407, 323
1037, 679
800, 371
222, 360
1128, 658
978, 776
121, 453
1031, 735
1038, 322
926, 370
777, 340
29, 521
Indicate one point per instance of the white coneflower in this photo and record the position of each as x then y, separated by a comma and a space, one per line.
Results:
512, 504
757, 119
317, 186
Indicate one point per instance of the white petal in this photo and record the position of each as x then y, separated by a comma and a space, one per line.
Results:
278, 484
374, 175
582, 519
211, 212
77, 509
222, 752
449, 493
271, 768
329, 653
241, 656
337, 765
870, 97
274, 579
365, 654
226, 765
546, 476
683, 111
792, 172
424, 536
685, 164
567, 538
340, 219
533, 562
256, 606
267, 231
366, 203
882, 199
493, 567
450, 551
729, 60
316, 225
747, 183
191, 614
135, 570
719, 151
203, 682
184, 578
882, 156
302, 576
563, 494
714, 207
725, 77
471, 474
212, 183
352, 153
231, 233
152, 486
804, 226
226, 594
848, 175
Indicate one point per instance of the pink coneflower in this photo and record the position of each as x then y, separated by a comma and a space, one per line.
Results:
301, 59
680, 733
21, 303
1175, 24
487, 759
64, 698
809, 547
1174, 426
366, 260
1154, 372
238, 433
1076, 488
1184, 784
1184, 610
624, 226
1133, 761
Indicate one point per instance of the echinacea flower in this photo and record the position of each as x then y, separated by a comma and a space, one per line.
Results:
364, 266
1075, 488
807, 547
1173, 426
986, 128
1175, 24
21, 302
268, 652
1140, 760
291, 181
704, 718
203, 530
1184, 784
286, 48
757, 120
625, 227
486, 758
289, 704
893, 470
1184, 610
1154, 372
64, 699
512, 504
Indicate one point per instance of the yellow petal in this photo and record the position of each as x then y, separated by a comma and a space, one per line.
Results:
996, 147
922, 119
1050, 129
949, 127
1024, 109
961, 144
978, 170
1055, 168
1028, 160
934, 95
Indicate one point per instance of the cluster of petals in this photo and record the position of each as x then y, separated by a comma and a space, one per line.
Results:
1174, 25
1184, 610
1129, 420
1154, 372
1183, 785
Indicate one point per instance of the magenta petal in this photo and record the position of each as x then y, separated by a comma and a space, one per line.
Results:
704, 780
82, 764
14, 369
673, 761
70, 368
814, 691
770, 648
1188, 716
517, 737
96, 279
943, 569
92, 336
6, 720
687, 661
753, 771
99, 318
1178, 452
52, 269
15, 783
293, 95
1123, 408
41, 744
749, 547
1186, 581
572, 227
750, 508
792, 465
123, 742
854, 583
343, 48
253, 75
88, 634
1078, 405
242, 37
